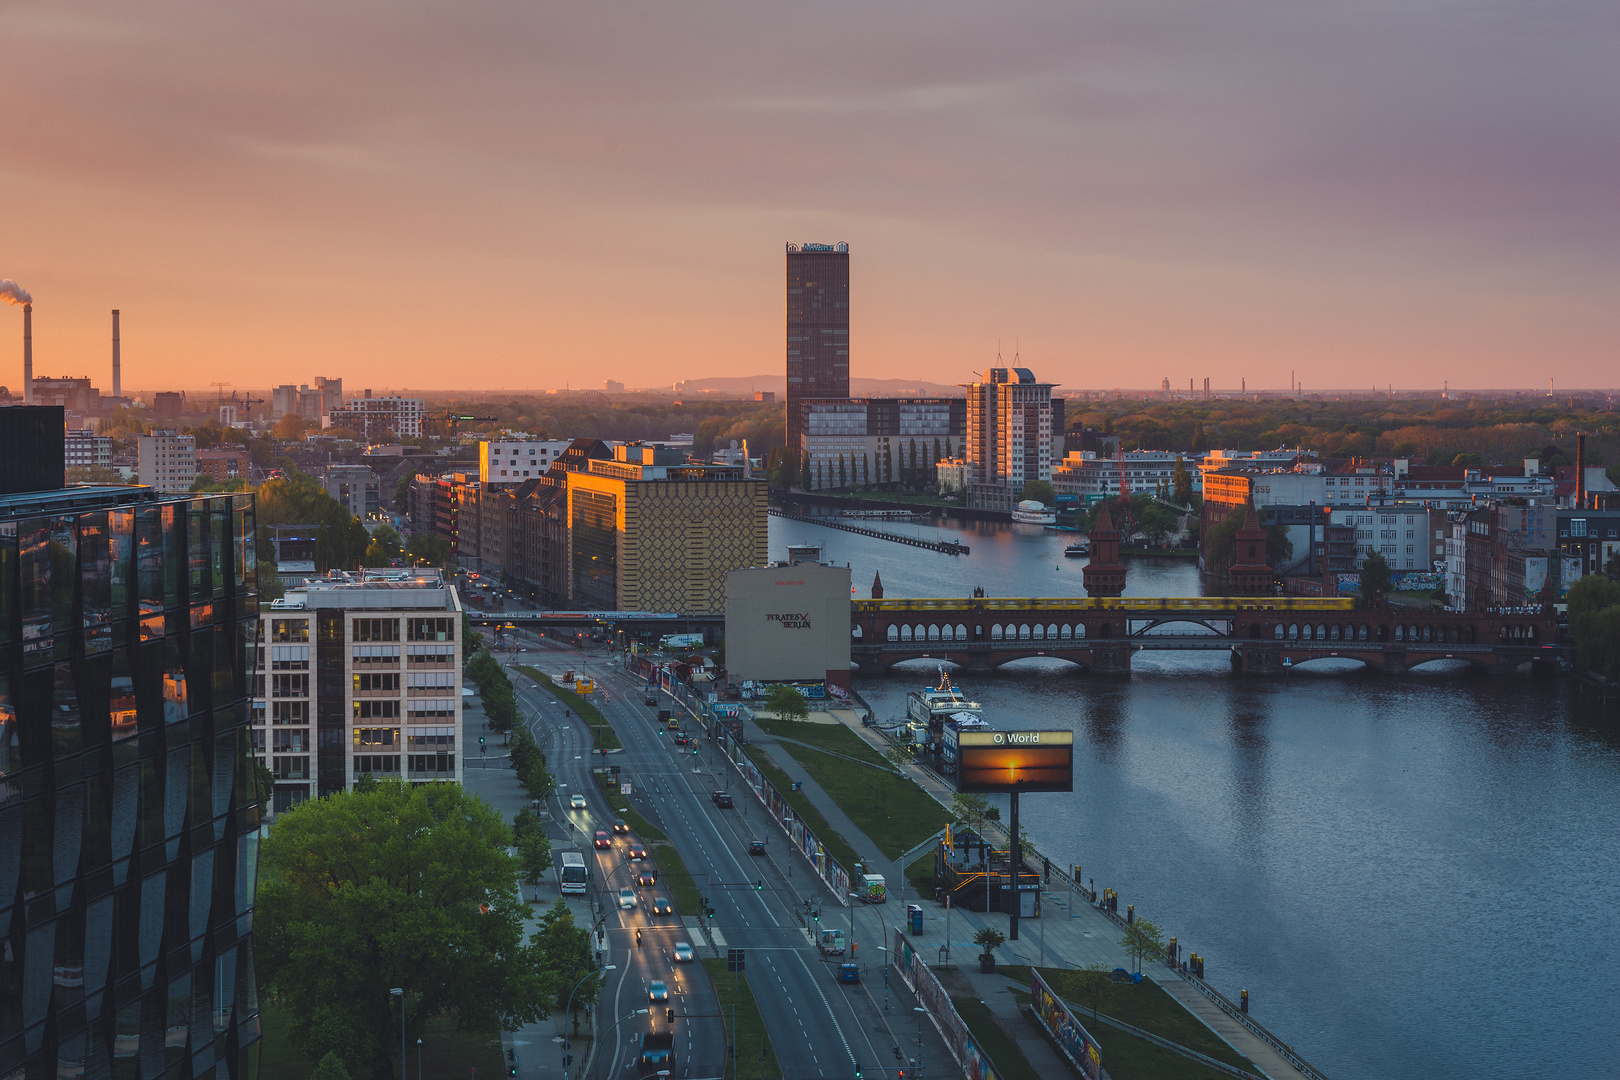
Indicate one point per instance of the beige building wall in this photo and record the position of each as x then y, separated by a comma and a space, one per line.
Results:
788, 623
675, 540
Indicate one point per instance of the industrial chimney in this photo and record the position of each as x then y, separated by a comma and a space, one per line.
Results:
28, 354
1580, 471
118, 379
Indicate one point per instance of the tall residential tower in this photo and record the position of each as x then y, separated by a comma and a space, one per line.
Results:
817, 327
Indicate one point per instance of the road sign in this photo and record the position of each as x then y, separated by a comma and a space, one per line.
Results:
624, 788
736, 960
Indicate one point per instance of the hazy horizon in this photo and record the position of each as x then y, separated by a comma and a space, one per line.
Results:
1117, 193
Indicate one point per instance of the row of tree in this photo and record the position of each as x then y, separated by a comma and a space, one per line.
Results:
1594, 621
429, 902
494, 690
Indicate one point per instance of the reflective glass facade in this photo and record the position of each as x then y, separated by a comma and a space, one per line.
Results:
127, 827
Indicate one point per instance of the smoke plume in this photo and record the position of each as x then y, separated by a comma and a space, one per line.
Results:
13, 293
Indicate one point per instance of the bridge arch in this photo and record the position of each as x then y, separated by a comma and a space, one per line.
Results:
1365, 662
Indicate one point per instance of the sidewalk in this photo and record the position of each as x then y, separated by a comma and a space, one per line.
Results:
1072, 934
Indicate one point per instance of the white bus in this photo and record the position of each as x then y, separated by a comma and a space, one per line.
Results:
573, 877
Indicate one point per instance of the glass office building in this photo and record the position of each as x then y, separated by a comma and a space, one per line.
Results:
127, 827
817, 327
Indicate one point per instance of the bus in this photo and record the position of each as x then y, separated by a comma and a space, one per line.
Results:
573, 876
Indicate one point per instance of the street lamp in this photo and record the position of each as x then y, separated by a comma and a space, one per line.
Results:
616, 1023
922, 1067
418, 1060
399, 992
570, 1009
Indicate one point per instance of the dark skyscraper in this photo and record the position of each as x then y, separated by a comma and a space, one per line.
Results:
127, 820
817, 328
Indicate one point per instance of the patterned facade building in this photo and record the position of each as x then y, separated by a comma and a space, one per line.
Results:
648, 531
128, 827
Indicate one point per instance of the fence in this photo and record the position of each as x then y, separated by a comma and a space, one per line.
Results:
952, 1028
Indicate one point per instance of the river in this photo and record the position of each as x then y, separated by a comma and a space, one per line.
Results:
1414, 876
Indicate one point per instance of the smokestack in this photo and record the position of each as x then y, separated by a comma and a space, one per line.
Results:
1580, 471
28, 354
118, 379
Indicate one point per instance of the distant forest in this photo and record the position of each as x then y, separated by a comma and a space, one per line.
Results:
1430, 432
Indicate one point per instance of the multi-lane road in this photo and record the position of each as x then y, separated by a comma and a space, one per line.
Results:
818, 1027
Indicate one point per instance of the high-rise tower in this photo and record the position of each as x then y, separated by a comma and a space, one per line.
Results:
817, 328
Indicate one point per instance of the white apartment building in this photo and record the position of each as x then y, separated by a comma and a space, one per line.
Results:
168, 461
1457, 567
373, 417
1009, 436
1400, 535
508, 463
83, 447
1088, 477
358, 674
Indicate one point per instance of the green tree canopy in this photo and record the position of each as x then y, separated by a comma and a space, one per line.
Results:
1375, 577
1040, 491
787, 703
1144, 940
395, 887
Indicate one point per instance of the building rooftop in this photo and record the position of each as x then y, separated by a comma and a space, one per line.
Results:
416, 589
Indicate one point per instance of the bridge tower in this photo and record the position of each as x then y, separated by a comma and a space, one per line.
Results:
877, 586
1104, 574
1250, 575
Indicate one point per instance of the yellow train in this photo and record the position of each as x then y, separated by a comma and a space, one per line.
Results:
1125, 604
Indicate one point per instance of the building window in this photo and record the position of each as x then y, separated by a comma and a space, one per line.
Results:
420, 629
376, 710
289, 686
372, 738
289, 657
289, 741
289, 712
289, 629
382, 680
290, 768
376, 630
375, 763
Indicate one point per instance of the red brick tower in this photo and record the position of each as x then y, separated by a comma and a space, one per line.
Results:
877, 586
1250, 575
1105, 574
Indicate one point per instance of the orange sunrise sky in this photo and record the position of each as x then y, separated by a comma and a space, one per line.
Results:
488, 195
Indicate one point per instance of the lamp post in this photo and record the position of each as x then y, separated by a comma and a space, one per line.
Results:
399, 992
418, 1060
570, 1009
922, 1067
616, 1023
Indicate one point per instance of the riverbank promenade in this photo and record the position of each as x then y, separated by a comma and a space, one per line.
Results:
1073, 934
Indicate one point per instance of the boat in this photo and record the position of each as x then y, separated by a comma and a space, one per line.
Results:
1077, 550
933, 709
1034, 512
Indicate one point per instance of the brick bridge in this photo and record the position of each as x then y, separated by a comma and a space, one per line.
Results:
1264, 635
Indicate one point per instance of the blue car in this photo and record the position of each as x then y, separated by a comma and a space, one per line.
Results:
849, 973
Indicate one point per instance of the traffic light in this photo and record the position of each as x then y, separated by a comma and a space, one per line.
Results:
760, 884
711, 913
480, 742
817, 915
669, 1015
857, 1071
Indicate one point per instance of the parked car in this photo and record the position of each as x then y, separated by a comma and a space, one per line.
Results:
723, 801
714, 796
756, 847
849, 973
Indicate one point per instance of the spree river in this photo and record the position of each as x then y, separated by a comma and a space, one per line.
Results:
1414, 876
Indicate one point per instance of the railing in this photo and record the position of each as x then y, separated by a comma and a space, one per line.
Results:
1177, 1048
1255, 1028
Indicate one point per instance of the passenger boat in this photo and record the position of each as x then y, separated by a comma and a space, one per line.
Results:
1034, 512
1077, 550
934, 709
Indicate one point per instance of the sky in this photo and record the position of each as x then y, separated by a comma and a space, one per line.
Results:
488, 195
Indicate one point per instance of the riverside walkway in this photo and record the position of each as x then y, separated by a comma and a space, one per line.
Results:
1073, 934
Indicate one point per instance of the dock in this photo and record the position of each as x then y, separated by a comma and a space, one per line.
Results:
944, 547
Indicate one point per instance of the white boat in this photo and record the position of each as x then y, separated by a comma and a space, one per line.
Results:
1034, 512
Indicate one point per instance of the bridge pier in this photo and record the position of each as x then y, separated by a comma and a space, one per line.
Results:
1252, 659
1111, 657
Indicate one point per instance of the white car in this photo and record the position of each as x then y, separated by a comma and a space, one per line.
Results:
627, 899
683, 952
576, 802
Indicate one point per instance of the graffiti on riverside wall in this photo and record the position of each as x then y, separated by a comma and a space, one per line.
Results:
931, 996
798, 833
1075, 1040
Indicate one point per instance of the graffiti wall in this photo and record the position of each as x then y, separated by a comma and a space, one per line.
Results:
931, 995
1082, 1050
798, 834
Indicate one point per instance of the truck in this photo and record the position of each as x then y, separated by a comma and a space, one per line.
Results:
873, 889
831, 943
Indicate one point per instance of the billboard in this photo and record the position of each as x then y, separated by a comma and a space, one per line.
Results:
1008, 761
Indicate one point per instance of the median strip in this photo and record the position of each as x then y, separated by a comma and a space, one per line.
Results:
602, 733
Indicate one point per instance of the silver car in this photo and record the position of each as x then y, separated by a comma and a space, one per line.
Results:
683, 952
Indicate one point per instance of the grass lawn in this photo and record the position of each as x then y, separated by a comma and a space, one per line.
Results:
1010, 1062
749, 1037
673, 875
835, 844
445, 1051
602, 733
891, 810
1128, 1058
1144, 1005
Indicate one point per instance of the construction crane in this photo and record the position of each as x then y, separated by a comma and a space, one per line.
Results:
246, 403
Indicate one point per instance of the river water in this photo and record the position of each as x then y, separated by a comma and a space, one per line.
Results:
1414, 876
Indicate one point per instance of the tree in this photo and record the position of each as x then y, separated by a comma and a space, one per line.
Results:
270, 584
804, 472
1144, 940
989, 939
1181, 482
971, 810
428, 901
532, 843
565, 957
1158, 522
1611, 569
94, 474
843, 477
787, 703
1375, 578
1092, 986
428, 549
290, 428
1469, 460
330, 1068
1040, 491
1594, 623
402, 491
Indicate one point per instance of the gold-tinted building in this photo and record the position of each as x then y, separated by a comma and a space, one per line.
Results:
649, 531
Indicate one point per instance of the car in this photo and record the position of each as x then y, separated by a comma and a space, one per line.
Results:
576, 802
664, 714
849, 973
619, 825
682, 740
723, 801
603, 839
646, 876
756, 847
657, 991
714, 796
627, 898
638, 850
661, 906
683, 952
650, 701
